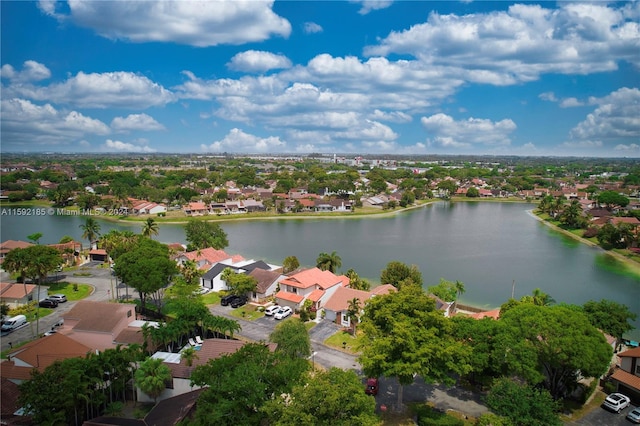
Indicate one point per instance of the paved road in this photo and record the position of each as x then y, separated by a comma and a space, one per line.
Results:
599, 416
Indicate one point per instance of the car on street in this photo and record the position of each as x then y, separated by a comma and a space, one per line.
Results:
272, 310
239, 301
616, 402
60, 298
48, 303
371, 387
226, 300
634, 415
202, 290
284, 312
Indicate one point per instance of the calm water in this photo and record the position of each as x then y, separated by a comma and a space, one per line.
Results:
488, 246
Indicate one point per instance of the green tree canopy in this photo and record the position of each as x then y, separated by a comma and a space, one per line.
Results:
523, 404
150, 228
612, 199
445, 290
552, 345
152, 376
201, 234
343, 402
404, 335
609, 316
329, 262
239, 283
147, 268
397, 272
292, 338
290, 264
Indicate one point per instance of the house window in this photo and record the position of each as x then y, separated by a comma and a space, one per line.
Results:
637, 369
128, 313
169, 384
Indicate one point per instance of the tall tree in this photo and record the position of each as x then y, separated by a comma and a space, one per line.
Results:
290, 264
201, 234
609, 316
152, 376
35, 237
523, 404
539, 298
404, 335
17, 262
445, 290
90, 230
397, 273
239, 283
147, 268
329, 262
552, 345
150, 228
356, 282
343, 402
116, 242
353, 313
292, 338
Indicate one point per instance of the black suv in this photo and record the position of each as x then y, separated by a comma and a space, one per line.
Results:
238, 301
227, 299
48, 303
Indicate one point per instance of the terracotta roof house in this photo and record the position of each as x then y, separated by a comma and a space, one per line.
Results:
9, 405
495, 314
9, 245
195, 209
295, 288
337, 305
98, 324
39, 354
181, 372
18, 294
627, 375
70, 251
98, 255
205, 258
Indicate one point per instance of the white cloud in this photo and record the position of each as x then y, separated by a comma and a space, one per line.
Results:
238, 141
548, 96
564, 103
369, 5
31, 71
447, 132
615, 119
626, 149
311, 28
118, 146
570, 103
195, 23
393, 116
112, 89
25, 123
135, 122
520, 44
258, 61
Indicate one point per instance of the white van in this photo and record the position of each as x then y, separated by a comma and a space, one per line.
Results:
13, 323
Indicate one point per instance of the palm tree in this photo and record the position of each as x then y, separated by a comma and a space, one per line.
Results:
150, 228
90, 230
353, 311
329, 262
151, 377
539, 298
189, 354
459, 290
572, 214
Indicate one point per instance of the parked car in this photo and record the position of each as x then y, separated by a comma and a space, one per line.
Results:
14, 323
634, 415
616, 402
371, 387
272, 310
284, 312
202, 290
48, 303
238, 301
60, 298
226, 300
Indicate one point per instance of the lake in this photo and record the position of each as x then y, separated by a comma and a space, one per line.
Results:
488, 246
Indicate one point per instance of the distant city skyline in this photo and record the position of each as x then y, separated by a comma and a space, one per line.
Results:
370, 77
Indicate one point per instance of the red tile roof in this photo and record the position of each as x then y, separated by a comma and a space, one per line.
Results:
15, 291
495, 314
626, 378
208, 254
102, 317
9, 245
316, 295
339, 301
291, 297
315, 277
633, 353
41, 353
383, 289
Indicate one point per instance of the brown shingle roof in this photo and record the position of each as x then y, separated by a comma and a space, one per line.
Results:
339, 301
9, 393
41, 353
9, 245
15, 291
98, 316
265, 278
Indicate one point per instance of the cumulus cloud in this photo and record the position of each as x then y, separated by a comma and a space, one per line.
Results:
564, 103
615, 119
24, 122
258, 61
445, 131
632, 148
311, 28
98, 90
194, 23
238, 141
31, 71
521, 43
369, 5
119, 146
135, 122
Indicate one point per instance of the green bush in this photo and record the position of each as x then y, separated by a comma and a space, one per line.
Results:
609, 387
427, 416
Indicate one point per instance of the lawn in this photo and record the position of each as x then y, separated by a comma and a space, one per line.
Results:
345, 341
68, 289
247, 312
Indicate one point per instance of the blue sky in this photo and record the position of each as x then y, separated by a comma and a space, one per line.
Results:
343, 77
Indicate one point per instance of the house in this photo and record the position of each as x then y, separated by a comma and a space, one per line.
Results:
195, 209
148, 207
100, 325
212, 279
98, 255
267, 283
9, 245
168, 412
315, 284
18, 294
205, 259
626, 376
9, 404
70, 251
337, 306
39, 354
181, 372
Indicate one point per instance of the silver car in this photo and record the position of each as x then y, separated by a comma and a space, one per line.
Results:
616, 402
634, 415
